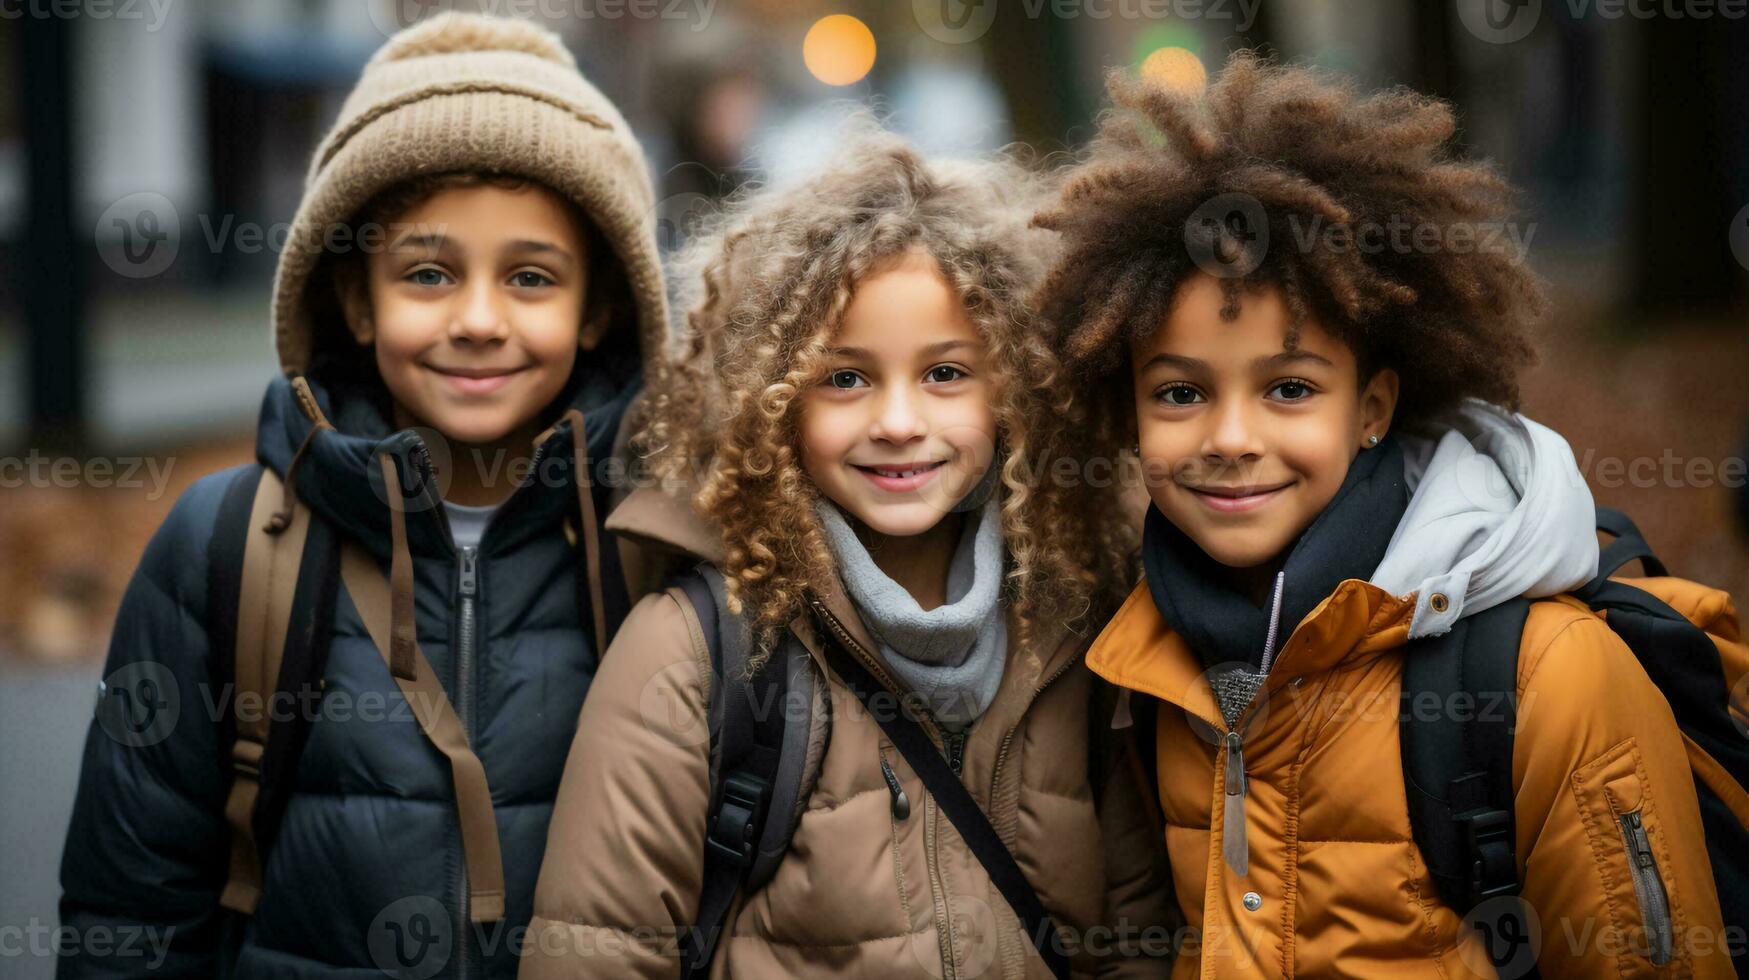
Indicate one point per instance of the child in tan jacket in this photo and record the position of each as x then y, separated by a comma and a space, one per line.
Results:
861, 389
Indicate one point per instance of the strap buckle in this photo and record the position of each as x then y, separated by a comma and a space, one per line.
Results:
739, 816
246, 753
1493, 867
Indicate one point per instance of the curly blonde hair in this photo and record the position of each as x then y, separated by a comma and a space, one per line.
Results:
765, 290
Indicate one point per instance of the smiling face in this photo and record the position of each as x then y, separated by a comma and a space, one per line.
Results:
1245, 442
902, 426
474, 308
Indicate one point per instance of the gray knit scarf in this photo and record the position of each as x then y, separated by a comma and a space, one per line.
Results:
952, 656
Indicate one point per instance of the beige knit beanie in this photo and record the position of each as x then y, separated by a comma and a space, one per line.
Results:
466, 92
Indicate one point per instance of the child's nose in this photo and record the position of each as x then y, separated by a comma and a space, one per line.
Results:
899, 418
483, 314
1235, 434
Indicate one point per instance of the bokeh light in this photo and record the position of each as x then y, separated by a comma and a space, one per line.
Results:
839, 50
1176, 69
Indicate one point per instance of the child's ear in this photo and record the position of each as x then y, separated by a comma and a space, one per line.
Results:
604, 290
354, 296
1378, 403
597, 317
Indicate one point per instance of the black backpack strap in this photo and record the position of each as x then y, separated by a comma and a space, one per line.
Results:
1629, 545
747, 738
299, 686
1456, 732
955, 801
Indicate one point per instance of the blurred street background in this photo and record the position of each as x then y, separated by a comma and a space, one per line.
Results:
152, 153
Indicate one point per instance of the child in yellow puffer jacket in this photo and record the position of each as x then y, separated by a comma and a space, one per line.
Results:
1311, 335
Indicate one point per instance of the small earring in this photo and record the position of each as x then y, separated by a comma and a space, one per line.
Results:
1372, 440
1137, 449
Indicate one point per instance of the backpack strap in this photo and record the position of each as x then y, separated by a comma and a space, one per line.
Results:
1456, 732
1629, 546
956, 802
263, 565
369, 590
300, 685
751, 743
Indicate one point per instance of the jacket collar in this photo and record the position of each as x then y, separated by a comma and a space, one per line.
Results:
341, 433
664, 520
1139, 651
1347, 540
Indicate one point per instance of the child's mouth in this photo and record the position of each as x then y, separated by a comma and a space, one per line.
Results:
901, 477
1233, 499
476, 381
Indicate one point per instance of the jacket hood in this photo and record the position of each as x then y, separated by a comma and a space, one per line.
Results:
1498, 509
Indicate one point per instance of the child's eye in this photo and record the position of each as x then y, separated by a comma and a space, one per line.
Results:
1292, 391
943, 373
845, 379
428, 276
1178, 395
529, 279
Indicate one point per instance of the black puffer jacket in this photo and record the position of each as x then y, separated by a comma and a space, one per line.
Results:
365, 875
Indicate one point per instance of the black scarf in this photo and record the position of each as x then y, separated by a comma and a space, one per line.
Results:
1347, 540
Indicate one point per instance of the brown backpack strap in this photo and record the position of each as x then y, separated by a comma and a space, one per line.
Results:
365, 583
271, 555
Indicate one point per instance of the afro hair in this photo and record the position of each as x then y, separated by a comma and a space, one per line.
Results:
1351, 204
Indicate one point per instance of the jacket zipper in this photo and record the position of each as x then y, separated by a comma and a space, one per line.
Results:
467, 584
467, 588
937, 894
1235, 839
1648, 888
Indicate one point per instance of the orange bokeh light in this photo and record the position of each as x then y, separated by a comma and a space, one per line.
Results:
839, 50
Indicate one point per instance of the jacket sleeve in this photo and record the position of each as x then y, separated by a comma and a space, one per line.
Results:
1140, 904
147, 849
1596, 754
625, 851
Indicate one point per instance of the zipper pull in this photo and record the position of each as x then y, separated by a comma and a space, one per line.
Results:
1642, 844
1234, 845
901, 802
470, 572
956, 751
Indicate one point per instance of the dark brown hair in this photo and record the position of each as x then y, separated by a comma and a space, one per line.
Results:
1278, 176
